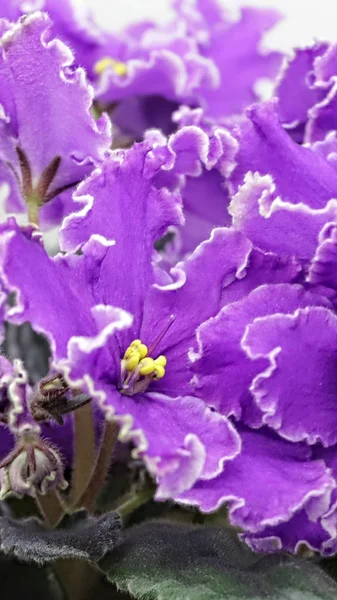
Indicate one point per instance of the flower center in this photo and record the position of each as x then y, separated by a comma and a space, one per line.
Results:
110, 63
138, 369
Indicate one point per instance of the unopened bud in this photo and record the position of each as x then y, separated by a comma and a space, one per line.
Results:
32, 467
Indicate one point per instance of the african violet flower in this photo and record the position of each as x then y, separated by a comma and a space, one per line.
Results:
147, 70
119, 328
49, 139
122, 330
307, 92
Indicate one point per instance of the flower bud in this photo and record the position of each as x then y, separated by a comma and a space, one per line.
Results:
33, 466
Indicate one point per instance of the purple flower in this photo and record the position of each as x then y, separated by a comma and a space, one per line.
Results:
196, 365
148, 70
119, 327
49, 139
307, 92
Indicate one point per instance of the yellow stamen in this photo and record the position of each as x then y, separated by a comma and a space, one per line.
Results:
158, 372
132, 361
161, 360
119, 67
146, 366
137, 362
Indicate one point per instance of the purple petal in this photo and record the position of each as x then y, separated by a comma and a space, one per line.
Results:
263, 470
234, 48
295, 90
322, 117
290, 536
297, 389
299, 174
275, 225
223, 372
180, 438
48, 66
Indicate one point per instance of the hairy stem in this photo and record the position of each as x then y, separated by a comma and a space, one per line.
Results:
84, 452
51, 508
135, 501
101, 468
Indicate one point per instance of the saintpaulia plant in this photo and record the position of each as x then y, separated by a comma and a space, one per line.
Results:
187, 362
190, 313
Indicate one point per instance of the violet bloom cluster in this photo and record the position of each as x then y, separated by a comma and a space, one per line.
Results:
220, 370
144, 72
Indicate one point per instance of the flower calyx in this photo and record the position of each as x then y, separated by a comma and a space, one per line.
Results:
36, 195
53, 398
33, 466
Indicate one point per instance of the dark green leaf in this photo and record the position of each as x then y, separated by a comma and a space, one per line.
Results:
165, 561
78, 536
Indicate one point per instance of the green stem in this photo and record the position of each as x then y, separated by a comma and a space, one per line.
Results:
135, 501
101, 468
33, 207
84, 452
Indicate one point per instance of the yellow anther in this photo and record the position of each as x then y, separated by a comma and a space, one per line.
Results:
132, 361
161, 360
146, 366
158, 371
142, 349
137, 362
119, 67
136, 347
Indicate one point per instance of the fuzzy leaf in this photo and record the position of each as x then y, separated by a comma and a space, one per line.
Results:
162, 561
78, 536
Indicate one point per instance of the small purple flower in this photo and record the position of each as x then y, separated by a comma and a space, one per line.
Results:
49, 139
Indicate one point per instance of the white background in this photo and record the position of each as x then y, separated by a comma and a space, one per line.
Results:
304, 19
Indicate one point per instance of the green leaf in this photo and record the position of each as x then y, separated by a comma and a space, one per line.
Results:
165, 561
78, 536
